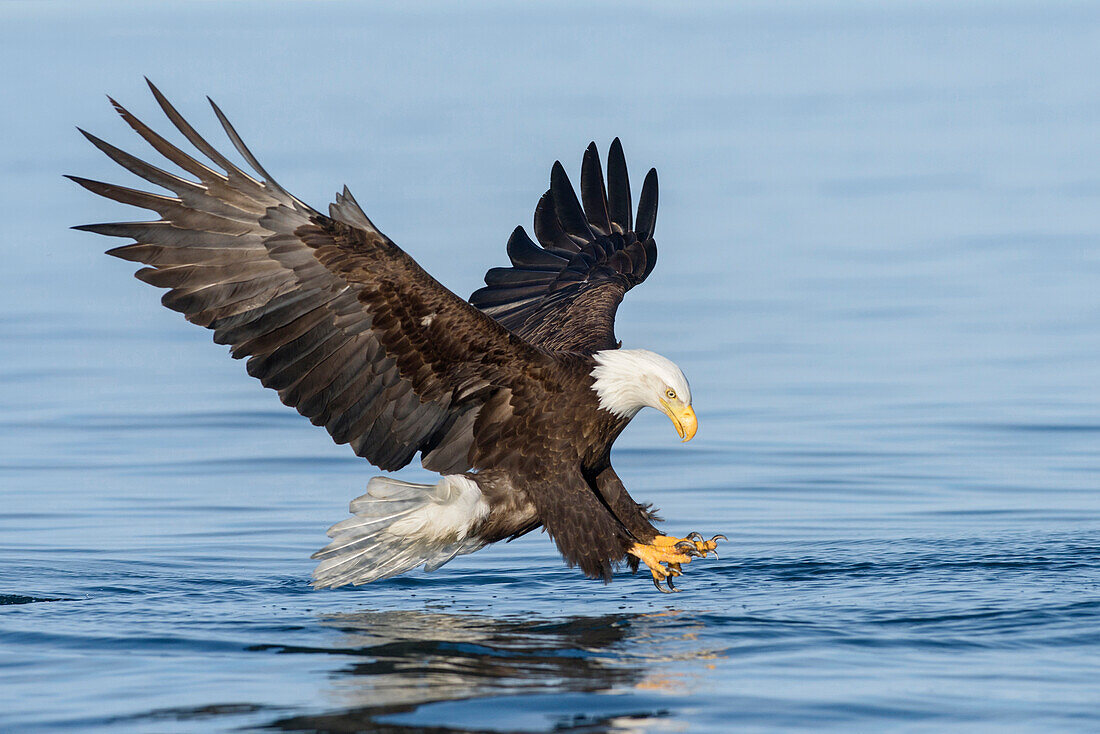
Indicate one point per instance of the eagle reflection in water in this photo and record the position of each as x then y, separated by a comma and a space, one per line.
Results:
401, 661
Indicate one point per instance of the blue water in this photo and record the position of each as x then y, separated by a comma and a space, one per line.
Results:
880, 268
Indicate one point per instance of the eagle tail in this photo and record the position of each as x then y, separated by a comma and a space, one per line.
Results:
397, 526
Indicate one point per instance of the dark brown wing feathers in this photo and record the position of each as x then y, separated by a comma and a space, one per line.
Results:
593, 193
562, 293
328, 311
358, 338
618, 189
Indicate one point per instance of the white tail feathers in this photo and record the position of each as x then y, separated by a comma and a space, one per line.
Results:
399, 525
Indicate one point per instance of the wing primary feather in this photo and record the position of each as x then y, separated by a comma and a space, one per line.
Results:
238, 143
593, 194
162, 256
169, 208
192, 135
124, 195
647, 206
516, 276
618, 188
192, 194
567, 206
168, 234
651, 257
162, 146
526, 254
549, 232
138, 167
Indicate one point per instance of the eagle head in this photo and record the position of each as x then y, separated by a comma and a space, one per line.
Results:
627, 380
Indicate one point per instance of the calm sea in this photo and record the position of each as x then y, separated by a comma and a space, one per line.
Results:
880, 268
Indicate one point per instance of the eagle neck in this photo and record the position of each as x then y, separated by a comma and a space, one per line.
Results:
615, 380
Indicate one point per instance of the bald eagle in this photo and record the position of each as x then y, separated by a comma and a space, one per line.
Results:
514, 397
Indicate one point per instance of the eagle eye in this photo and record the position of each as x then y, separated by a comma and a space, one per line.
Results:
670, 393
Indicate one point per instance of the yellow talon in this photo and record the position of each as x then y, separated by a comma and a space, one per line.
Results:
702, 546
665, 555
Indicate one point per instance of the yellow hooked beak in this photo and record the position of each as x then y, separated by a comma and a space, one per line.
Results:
683, 418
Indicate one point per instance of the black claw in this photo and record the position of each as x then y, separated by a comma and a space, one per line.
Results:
688, 549
670, 584
716, 538
659, 587
714, 551
694, 536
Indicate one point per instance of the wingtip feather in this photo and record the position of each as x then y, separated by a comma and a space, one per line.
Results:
619, 203
647, 206
593, 191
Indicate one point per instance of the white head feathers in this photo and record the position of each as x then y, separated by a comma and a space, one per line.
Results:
628, 380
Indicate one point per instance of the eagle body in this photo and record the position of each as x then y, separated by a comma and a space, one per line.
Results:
519, 476
514, 397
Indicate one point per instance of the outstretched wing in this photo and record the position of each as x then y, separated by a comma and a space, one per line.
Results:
562, 293
330, 313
